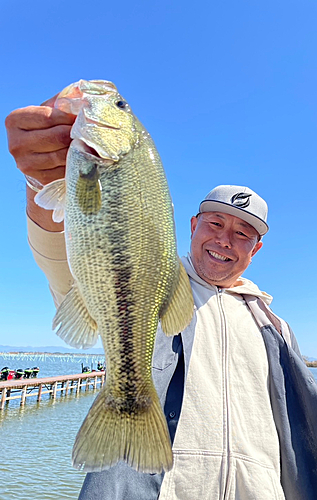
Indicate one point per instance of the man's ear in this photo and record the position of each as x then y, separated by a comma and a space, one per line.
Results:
193, 225
257, 247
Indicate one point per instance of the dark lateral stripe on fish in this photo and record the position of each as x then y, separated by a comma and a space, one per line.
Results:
125, 324
122, 271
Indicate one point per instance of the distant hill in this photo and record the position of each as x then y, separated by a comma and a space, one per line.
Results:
50, 349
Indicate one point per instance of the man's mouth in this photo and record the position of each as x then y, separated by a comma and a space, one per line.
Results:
218, 256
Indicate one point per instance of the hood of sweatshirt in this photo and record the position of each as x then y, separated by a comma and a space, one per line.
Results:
245, 286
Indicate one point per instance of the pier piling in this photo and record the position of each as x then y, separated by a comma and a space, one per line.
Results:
64, 384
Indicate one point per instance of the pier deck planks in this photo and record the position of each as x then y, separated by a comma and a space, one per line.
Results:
25, 387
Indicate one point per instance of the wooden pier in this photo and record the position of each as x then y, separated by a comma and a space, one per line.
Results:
64, 384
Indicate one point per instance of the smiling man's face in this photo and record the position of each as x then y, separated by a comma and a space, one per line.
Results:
222, 247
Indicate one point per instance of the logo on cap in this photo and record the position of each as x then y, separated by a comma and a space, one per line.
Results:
241, 200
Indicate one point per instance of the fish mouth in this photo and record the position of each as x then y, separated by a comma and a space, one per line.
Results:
218, 256
92, 134
89, 151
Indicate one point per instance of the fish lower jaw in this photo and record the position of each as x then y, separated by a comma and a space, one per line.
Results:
82, 146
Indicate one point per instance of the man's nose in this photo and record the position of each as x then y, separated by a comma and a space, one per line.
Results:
223, 239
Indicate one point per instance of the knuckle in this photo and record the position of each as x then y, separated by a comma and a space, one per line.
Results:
12, 119
46, 115
12, 134
8, 121
18, 145
58, 158
14, 146
27, 170
64, 134
26, 167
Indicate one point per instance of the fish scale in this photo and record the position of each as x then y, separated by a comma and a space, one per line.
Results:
121, 249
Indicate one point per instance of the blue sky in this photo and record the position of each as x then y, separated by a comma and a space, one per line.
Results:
227, 90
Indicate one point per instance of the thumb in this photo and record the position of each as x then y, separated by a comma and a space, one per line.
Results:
50, 102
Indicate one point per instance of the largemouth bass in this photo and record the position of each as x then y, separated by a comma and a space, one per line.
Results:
121, 250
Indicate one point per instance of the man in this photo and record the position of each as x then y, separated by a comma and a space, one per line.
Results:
238, 427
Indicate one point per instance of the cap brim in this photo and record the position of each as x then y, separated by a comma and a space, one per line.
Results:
219, 206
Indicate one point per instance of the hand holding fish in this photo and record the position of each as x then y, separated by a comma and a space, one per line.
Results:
38, 139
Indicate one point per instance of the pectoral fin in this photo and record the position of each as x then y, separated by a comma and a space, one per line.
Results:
76, 327
179, 311
88, 190
52, 197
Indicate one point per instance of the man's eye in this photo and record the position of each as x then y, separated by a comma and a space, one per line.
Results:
242, 234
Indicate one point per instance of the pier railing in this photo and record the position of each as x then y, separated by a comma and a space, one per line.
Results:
64, 384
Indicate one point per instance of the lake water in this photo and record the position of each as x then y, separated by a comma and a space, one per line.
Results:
36, 440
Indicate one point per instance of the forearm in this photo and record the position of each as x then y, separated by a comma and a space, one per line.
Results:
49, 251
42, 217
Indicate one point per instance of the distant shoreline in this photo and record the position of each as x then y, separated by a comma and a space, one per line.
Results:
41, 353
309, 364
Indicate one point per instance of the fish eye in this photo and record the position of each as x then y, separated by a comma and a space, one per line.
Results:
122, 104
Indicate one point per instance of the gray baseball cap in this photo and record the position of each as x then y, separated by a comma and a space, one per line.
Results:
239, 201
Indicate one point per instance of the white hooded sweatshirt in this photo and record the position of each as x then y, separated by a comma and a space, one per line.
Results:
226, 444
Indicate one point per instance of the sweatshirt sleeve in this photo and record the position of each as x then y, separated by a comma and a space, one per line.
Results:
49, 252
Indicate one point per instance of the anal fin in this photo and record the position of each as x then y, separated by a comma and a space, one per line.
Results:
179, 311
75, 325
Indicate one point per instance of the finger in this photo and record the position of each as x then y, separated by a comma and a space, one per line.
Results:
50, 102
47, 176
37, 117
36, 164
53, 139
39, 141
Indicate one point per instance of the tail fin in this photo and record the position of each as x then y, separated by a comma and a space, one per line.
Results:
109, 435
